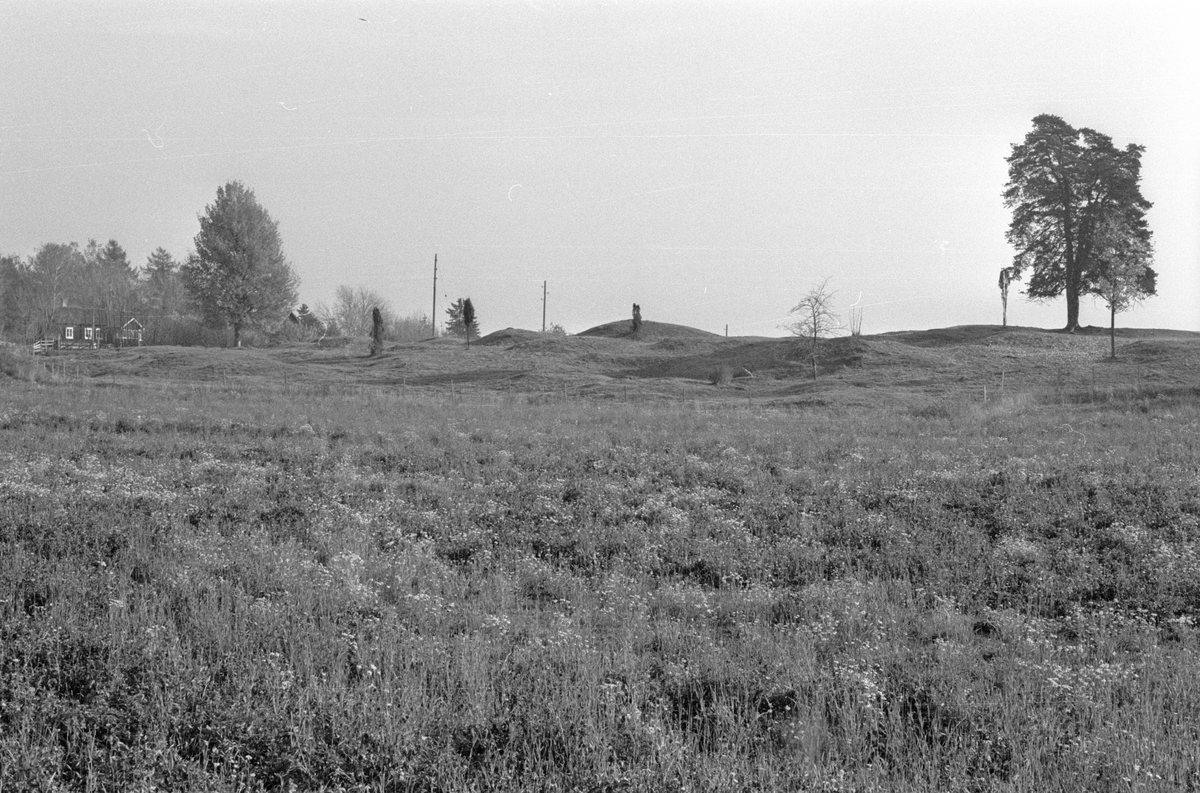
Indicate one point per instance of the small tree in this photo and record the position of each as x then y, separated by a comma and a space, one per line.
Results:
1125, 278
816, 319
308, 325
238, 274
456, 324
328, 318
1007, 276
468, 318
454, 321
376, 331
635, 327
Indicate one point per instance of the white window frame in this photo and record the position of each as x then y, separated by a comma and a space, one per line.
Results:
69, 333
88, 333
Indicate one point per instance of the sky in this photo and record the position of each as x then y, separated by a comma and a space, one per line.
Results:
712, 162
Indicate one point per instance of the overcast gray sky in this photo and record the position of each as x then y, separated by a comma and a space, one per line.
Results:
708, 161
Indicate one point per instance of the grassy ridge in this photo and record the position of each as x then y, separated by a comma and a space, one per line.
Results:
204, 590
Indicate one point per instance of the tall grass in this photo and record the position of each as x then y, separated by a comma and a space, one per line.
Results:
18, 362
229, 588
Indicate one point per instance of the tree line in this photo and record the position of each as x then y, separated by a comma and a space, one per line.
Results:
236, 280
1078, 228
102, 280
350, 314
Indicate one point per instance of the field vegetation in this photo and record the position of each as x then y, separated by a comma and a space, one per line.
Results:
296, 570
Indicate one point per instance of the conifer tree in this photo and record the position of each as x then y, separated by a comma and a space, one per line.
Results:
1062, 184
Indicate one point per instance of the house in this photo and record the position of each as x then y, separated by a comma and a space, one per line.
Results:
84, 328
77, 328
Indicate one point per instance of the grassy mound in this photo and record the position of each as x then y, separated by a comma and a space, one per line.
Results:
511, 336
675, 362
651, 331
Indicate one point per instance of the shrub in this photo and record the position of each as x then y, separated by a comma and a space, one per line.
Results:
722, 375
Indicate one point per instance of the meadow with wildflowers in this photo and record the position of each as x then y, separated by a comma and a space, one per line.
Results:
223, 588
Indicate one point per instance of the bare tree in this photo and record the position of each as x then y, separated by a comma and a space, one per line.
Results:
352, 310
816, 319
635, 326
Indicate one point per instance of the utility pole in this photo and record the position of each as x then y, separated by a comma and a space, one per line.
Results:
543, 306
433, 316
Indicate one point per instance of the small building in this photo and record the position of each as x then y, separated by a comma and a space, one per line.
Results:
131, 333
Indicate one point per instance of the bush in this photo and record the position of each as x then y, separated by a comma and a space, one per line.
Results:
19, 363
14, 362
414, 327
722, 375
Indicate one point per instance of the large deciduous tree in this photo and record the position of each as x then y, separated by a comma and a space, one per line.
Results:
238, 274
56, 276
16, 297
1062, 184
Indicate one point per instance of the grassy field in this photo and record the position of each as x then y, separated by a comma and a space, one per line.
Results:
292, 570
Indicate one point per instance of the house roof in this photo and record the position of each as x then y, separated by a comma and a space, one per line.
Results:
78, 315
75, 315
